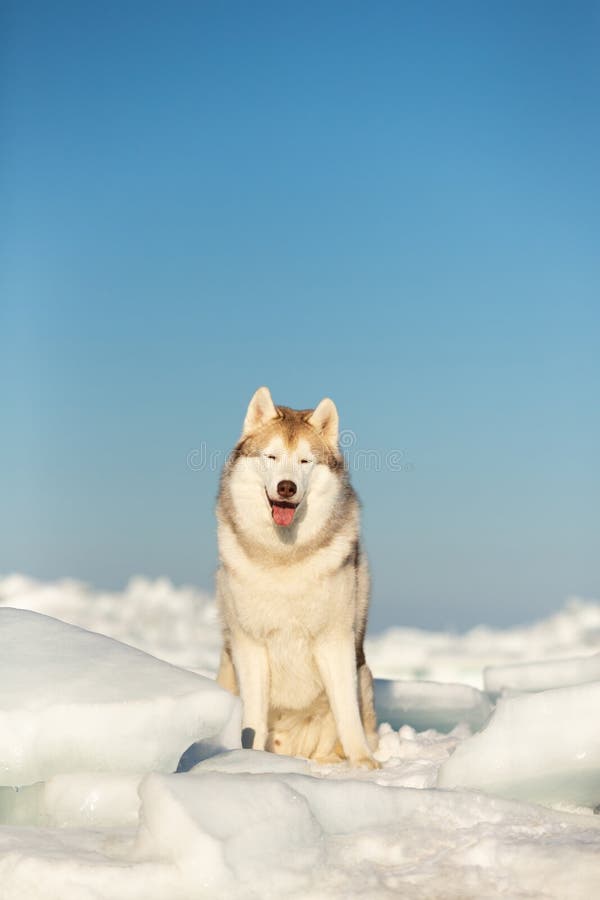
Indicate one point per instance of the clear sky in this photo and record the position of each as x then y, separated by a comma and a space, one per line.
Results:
394, 204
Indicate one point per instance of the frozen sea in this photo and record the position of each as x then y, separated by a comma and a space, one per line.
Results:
489, 745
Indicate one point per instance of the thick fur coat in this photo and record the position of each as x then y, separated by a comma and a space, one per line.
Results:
293, 588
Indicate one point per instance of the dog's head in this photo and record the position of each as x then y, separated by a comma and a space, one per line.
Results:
283, 456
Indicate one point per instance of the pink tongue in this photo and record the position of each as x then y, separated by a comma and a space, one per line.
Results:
283, 515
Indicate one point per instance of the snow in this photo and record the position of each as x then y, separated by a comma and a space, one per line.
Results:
427, 704
255, 762
176, 624
180, 625
454, 812
74, 800
540, 676
270, 835
543, 747
447, 657
65, 693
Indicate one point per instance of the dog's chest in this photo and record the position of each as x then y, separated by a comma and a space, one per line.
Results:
306, 596
266, 606
294, 679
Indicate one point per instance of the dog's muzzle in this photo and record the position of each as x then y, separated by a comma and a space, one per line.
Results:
283, 511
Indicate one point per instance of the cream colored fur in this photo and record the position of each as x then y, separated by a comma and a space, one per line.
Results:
293, 600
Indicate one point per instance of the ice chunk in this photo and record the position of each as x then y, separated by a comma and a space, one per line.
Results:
98, 799
303, 836
542, 675
543, 747
177, 624
445, 656
73, 701
427, 704
247, 835
256, 762
103, 799
213, 824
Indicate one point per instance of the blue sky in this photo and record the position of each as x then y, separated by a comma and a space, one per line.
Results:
394, 204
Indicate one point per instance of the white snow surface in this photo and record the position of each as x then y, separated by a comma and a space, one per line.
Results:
542, 675
543, 746
248, 824
428, 704
66, 692
177, 624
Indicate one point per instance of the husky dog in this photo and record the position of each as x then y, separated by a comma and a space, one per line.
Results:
293, 588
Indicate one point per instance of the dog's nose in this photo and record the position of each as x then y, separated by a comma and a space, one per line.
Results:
286, 489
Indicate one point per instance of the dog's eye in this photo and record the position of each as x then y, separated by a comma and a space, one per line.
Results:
304, 461
271, 457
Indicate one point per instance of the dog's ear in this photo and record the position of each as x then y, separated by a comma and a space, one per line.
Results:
325, 421
260, 411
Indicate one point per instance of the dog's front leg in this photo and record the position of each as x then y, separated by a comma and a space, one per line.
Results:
336, 660
252, 668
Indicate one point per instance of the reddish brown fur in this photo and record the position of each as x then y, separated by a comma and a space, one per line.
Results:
291, 425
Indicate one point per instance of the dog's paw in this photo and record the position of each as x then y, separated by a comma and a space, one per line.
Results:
365, 762
331, 760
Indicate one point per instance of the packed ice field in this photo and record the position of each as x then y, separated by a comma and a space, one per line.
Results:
122, 777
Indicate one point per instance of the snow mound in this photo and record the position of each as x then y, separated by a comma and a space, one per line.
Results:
542, 747
177, 624
412, 653
84, 799
272, 835
236, 824
91, 717
256, 762
542, 675
428, 705
71, 701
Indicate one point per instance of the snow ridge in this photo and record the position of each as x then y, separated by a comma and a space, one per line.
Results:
481, 793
